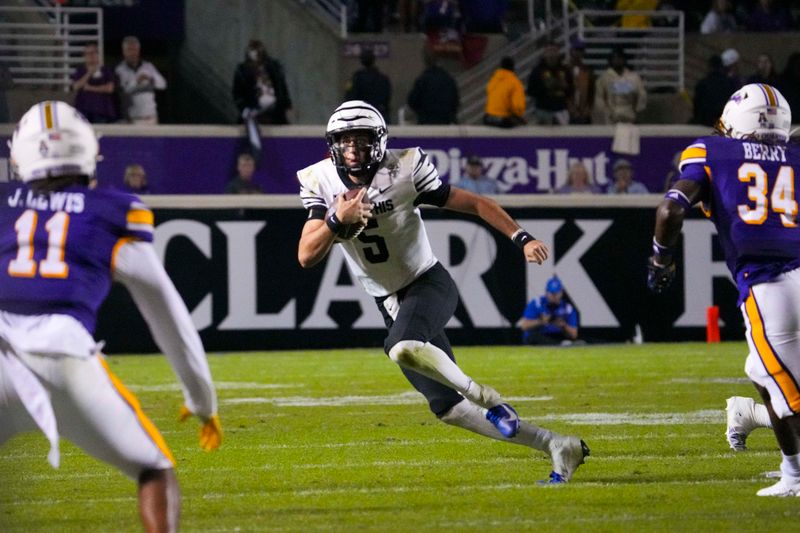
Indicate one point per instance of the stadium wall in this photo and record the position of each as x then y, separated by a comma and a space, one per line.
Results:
234, 262
201, 159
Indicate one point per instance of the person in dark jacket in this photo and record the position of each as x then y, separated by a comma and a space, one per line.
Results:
370, 85
711, 93
550, 87
259, 87
434, 96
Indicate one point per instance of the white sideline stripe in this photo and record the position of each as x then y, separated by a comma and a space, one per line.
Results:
403, 398
598, 438
483, 462
638, 419
220, 385
403, 489
703, 381
362, 443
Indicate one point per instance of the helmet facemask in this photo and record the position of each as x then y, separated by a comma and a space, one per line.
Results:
356, 125
362, 142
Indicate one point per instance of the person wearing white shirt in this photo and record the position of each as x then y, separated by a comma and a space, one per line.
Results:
138, 81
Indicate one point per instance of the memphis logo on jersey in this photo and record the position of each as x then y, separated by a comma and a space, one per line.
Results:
385, 206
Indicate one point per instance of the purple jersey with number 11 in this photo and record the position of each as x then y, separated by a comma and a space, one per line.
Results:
749, 190
57, 248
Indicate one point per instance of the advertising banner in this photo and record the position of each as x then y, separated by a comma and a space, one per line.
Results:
238, 273
521, 164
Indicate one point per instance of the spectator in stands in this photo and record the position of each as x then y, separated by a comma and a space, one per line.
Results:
135, 180
370, 16
578, 181
769, 16
94, 85
474, 180
505, 97
243, 182
789, 84
730, 62
711, 93
619, 92
583, 80
138, 81
719, 19
550, 87
765, 71
259, 87
636, 20
623, 180
434, 96
6, 82
370, 85
550, 319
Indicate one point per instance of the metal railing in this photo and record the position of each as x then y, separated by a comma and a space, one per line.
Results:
334, 12
41, 46
655, 52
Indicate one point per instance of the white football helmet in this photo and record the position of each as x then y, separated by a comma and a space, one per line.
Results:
757, 111
53, 139
357, 115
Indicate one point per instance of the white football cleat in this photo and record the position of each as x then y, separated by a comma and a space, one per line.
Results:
781, 489
741, 421
567, 454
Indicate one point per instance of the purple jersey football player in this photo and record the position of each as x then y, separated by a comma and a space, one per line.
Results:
61, 246
745, 178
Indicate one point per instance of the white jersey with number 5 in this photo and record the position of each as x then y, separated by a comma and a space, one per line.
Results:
393, 250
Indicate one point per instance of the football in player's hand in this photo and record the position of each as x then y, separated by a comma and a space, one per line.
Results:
351, 231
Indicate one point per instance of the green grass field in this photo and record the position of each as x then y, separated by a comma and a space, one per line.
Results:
337, 441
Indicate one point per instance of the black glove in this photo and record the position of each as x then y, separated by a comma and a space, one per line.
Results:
660, 277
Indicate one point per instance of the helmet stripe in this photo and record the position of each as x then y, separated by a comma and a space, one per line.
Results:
772, 101
48, 115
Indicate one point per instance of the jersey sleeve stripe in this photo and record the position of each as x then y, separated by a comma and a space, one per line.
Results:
420, 182
422, 161
140, 216
147, 229
694, 152
423, 186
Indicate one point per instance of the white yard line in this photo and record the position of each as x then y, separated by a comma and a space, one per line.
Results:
399, 489
220, 385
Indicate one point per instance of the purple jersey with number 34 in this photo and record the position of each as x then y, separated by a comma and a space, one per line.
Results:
57, 248
749, 191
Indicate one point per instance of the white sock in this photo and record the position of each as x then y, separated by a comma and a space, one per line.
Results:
761, 416
467, 415
790, 468
432, 362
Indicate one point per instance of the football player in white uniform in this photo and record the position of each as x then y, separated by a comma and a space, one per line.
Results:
61, 245
392, 259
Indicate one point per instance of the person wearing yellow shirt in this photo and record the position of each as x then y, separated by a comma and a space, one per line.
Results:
505, 97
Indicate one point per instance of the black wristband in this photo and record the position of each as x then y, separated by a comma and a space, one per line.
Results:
333, 222
521, 238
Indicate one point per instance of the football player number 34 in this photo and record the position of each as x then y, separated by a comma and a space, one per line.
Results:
53, 265
781, 197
